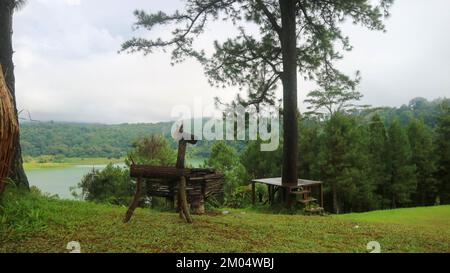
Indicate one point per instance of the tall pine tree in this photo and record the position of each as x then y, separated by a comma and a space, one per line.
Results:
344, 165
378, 151
443, 151
309, 147
402, 181
423, 157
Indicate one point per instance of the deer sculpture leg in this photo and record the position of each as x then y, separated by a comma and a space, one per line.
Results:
182, 201
135, 201
184, 139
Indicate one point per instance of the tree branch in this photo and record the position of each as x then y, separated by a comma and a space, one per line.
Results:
270, 17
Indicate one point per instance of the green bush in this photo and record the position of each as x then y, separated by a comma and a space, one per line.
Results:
111, 185
154, 150
225, 159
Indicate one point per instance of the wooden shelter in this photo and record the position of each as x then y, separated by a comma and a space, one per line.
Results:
170, 182
9, 129
305, 192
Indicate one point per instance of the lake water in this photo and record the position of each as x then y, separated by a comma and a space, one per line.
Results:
59, 180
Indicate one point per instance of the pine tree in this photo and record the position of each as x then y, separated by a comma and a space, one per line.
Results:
402, 181
261, 164
423, 157
345, 165
309, 147
378, 152
294, 36
443, 152
361, 196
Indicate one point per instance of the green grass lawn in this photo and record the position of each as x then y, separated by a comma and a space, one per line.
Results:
32, 223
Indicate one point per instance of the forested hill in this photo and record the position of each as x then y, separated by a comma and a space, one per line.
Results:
84, 140
99, 140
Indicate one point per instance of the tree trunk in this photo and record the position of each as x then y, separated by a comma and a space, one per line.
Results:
17, 173
289, 79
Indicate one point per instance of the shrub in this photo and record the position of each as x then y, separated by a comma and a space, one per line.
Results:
225, 159
111, 185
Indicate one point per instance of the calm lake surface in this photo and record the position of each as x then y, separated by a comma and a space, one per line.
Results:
59, 180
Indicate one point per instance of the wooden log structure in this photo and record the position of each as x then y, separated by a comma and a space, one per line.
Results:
147, 171
189, 186
198, 183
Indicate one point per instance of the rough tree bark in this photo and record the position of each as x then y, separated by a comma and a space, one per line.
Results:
17, 173
289, 80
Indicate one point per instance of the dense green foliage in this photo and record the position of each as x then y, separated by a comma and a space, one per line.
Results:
111, 185
401, 169
225, 159
366, 164
153, 150
369, 164
443, 152
423, 156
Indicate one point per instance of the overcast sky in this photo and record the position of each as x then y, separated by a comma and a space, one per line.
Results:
68, 69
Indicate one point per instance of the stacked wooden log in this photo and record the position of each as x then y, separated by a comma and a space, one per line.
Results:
9, 129
162, 181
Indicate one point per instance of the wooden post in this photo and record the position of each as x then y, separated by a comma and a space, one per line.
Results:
182, 197
253, 193
198, 204
135, 201
171, 199
182, 201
